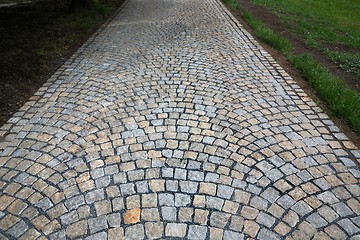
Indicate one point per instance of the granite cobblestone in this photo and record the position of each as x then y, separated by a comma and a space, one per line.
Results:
173, 122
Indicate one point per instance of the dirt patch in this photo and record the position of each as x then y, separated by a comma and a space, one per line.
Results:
36, 39
273, 22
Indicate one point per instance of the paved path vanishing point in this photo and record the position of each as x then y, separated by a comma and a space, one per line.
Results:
172, 122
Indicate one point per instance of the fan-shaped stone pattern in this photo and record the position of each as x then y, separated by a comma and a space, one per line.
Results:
172, 122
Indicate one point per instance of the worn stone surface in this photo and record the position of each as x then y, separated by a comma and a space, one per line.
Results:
173, 122
132, 216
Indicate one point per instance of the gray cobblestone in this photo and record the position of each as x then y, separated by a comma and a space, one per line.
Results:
225, 191
58, 235
328, 214
166, 199
180, 174
69, 218
197, 232
328, 197
167, 172
188, 186
127, 189
150, 214
98, 236
236, 223
182, 199
219, 219
142, 187
111, 170
120, 178
172, 186
154, 230
175, 230
96, 173
102, 182
302, 208
286, 201
214, 202
169, 213
136, 175
97, 224
114, 220
94, 195
135, 232
196, 175
233, 235
265, 219
17, 230
212, 177
348, 226
316, 220
44, 204
266, 234
342, 209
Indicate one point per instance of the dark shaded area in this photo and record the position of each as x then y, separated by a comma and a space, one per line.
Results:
36, 39
77, 4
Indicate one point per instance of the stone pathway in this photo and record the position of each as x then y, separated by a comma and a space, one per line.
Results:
172, 122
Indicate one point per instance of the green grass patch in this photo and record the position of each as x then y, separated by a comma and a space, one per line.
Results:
331, 26
343, 102
233, 4
348, 62
266, 35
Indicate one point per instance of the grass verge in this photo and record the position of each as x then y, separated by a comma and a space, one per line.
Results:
329, 26
341, 100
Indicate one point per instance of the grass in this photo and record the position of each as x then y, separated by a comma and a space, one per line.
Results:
342, 101
266, 35
331, 26
346, 61
233, 4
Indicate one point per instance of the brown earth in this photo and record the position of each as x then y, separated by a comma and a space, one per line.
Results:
273, 22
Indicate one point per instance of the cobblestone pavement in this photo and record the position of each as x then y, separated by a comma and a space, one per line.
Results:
172, 122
